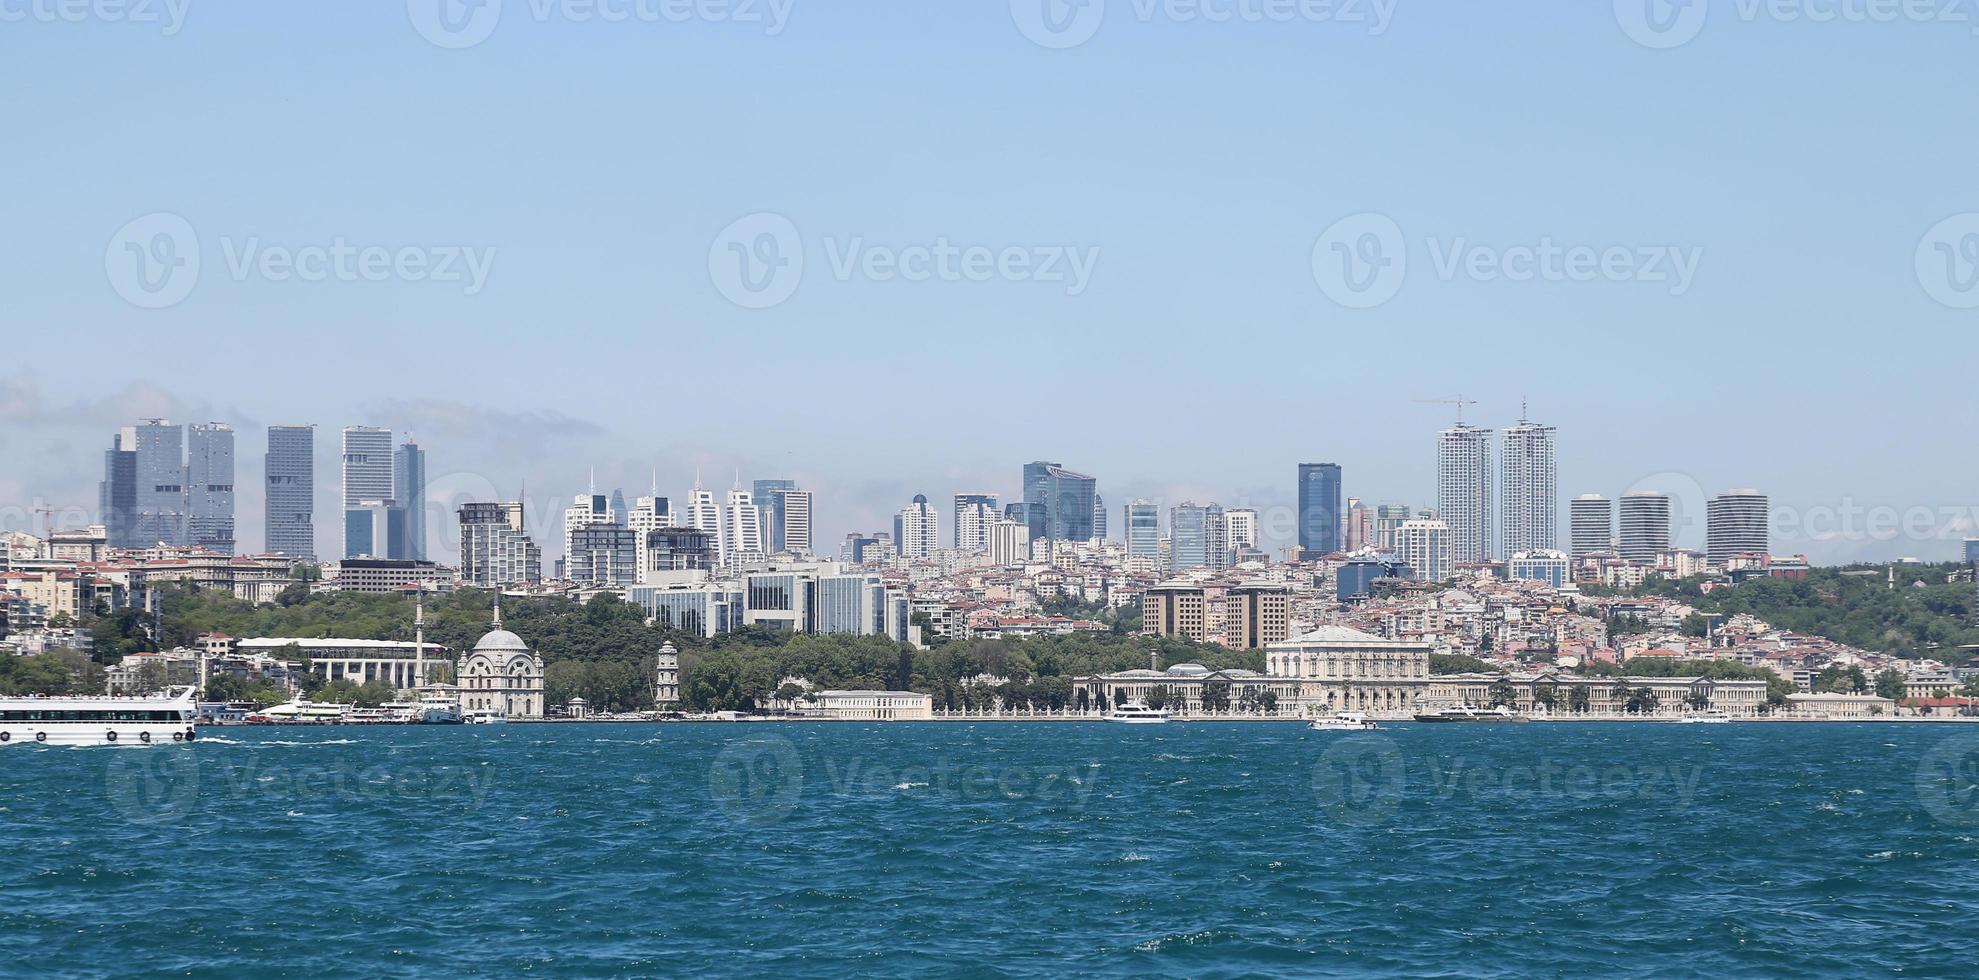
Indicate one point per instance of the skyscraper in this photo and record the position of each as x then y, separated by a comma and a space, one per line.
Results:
1736, 523
289, 511
160, 515
1388, 517
1242, 528
1009, 543
117, 494
409, 497
794, 521
1645, 525
649, 514
210, 487
1463, 491
1319, 508
1062, 502
974, 513
1530, 489
368, 488
1143, 530
586, 510
770, 511
1591, 522
742, 527
1360, 525
704, 514
916, 529
1099, 517
1201, 538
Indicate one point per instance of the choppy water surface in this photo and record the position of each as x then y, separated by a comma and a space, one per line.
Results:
997, 849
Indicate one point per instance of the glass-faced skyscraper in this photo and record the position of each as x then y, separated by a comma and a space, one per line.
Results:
368, 489
1062, 502
117, 494
160, 516
291, 498
409, 500
210, 487
1143, 530
1319, 508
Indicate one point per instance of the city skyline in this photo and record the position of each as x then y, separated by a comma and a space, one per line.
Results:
1277, 524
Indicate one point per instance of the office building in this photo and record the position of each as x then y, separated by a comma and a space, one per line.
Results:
1099, 517
1061, 502
1009, 543
290, 504
586, 510
1360, 526
1551, 567
974, 513
1240, 529
704, 514
1355, 580
368, 486
1319, 508
649, 514
1645, 525
1736, 523
1255, 615
159, 515
1530, 489
210, 487
1591, 525
495, 549
1200, 539
1463, 492
742, 527
916, 529
1388, 517
770, 511
409, 496
1426, 545
117, 494
1143, 530
794, 507
677, 549
603, 554
854, 604
1175, 609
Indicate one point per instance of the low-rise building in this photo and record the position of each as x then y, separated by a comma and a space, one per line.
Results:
870, 705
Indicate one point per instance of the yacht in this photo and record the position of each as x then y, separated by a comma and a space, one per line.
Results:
1136, 713
158, 720
1712, 717
1465, 712
1345, 721
300, 712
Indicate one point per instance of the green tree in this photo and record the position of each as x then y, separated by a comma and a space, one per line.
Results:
1578, 700
1890, 684
1216, 696
1503, 693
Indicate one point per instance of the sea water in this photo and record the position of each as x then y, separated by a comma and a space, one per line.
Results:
997, 849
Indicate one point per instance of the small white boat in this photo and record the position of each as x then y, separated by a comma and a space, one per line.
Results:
1136, 713
159, 720
438, 709
1713, 717
486, 718
1345, 721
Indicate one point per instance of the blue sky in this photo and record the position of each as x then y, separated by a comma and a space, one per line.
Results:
1198, 162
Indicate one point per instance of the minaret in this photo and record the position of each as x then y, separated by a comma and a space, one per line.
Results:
419, 638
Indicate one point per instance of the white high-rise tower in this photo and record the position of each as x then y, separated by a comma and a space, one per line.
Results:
1530, 489
1463, 491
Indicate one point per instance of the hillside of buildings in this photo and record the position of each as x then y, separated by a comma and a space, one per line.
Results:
1920, 611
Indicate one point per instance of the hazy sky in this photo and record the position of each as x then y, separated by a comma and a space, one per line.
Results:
1817, 345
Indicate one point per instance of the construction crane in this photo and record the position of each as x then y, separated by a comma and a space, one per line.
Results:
1459, 401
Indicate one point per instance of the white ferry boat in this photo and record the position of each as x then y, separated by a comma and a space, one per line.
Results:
159, 720
300, 712
1345, 721
1136, 713
486, 718
1712, 717
439, 709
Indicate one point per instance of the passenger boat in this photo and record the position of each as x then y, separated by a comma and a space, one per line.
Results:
439, 709
159, 720
1464, 712
1345, 721
1136, 713
486, 718
300, 712
1713, 717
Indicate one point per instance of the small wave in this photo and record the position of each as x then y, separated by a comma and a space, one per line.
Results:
264, 779
295, 813
1887, 855
218, 740
909, 785
327, 741
1134, 857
